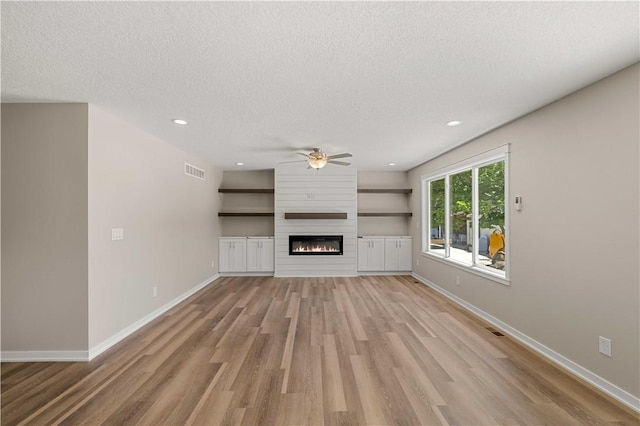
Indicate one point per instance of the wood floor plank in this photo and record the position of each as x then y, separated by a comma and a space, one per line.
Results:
369, 398
378, 358
234, 360
212, 410
313, 394
291, 410
334, 396
264, 410
300, 366
417, 397
212, 405
287, 357
419, 382
193, 377
373, 350
47, 383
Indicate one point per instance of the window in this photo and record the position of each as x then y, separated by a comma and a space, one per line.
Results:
436, 224
465, 213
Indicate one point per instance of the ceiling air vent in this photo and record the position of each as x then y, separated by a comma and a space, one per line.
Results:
193, 171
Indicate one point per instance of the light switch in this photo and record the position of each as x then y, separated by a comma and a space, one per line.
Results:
117, 234
518, 203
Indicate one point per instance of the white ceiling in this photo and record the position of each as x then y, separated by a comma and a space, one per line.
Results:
255, 80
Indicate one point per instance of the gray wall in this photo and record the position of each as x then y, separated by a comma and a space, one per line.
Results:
574, 246
247, 226
71, 173
171, 227
392, 203
44, 227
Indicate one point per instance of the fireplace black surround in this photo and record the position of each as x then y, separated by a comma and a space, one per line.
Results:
315, 245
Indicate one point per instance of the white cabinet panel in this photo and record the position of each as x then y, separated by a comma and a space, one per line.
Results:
371, 254
363, 254
404, 255
384, 254
260, 255
397, 254
391, 255
232, 254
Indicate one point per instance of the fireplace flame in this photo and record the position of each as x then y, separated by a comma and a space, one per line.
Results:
315, 248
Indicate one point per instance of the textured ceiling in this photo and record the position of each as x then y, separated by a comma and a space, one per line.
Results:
255, 80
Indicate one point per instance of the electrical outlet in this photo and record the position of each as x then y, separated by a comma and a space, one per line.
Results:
604, 346
213, 263
155, 291
417, 262
457, 279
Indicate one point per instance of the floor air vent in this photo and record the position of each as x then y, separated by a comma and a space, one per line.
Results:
494, 331
193, 171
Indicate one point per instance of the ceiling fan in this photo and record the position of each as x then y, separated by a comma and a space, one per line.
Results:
317, 159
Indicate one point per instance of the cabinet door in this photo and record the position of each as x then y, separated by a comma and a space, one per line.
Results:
253, 255
391, 254
363, 254
260, 255
370, 254
397, 254
376, 255
231, 254
404, 254
266, 255
239, 255
224, 255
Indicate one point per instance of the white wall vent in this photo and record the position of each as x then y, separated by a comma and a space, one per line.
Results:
193, 171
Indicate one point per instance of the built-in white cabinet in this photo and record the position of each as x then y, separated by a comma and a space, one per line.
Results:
370, 254
397, 254
232, 254
246, 254
384, 254
260, 255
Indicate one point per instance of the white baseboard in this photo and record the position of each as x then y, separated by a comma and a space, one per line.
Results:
83, 356
382, 273
106, 344
609, 388
246, 274
44, 356
314, 275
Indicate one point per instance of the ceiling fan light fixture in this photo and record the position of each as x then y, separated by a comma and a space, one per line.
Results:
317, 162
317, 159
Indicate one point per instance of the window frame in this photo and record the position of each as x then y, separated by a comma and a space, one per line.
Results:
473, 163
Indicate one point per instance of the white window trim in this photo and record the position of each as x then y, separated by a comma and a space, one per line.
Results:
474, 163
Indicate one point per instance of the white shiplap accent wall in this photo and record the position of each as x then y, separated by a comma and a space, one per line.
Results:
300, 190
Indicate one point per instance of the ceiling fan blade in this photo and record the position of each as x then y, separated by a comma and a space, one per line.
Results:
339, 163
345, 155
294, 161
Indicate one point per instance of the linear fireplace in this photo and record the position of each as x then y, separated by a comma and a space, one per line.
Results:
313, 245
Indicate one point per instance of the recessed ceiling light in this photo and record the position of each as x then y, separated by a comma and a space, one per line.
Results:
179, 121
239, 164
454, 123
392, 164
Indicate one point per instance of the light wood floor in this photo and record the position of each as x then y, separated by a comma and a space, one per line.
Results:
271, 351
